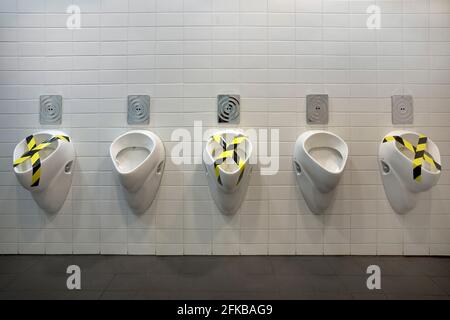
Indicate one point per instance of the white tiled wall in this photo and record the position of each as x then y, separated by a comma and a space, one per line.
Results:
183, 53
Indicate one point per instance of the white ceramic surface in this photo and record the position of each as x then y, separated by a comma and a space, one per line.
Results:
139, 159
57, 163
319, 161
396, 167
229, 194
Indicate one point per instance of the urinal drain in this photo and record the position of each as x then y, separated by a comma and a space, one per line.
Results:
228, 108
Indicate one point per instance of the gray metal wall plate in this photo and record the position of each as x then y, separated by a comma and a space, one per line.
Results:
50, 110
317, 109
402, 110
138, 109
228, 108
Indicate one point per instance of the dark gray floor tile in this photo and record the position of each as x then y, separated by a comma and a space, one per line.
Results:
95, 281
241, 278
76, 295
212, 283
301, 266
6, 280
39, 282
154, 295
98, 264
410, 286
206, 265
162, 283
296, 296
358, 284
119, 295
346, 266
253, 265
329, 284
166, 266
257, 283
51, 264
16, 264
127, 282
369, 296
296, 284
415, 297
51, 295
224, 295
443, 283
333, 296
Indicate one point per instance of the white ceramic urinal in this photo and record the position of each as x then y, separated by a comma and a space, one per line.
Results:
410, 163
319, 162
43, 164
226, 159
139, 158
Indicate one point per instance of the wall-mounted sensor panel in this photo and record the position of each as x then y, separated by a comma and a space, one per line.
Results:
402, 110
317, 109
228, 108
138, 109
50, 110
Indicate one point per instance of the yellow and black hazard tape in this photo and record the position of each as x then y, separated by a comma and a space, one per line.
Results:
420, 154
33, 155
229, 152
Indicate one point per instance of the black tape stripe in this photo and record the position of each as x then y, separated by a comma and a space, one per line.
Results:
417, 172
36, 166
422, 140
419, 154
36, 183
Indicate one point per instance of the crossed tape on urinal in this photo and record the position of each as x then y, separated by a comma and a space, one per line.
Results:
420, 154
229, 152
33, 155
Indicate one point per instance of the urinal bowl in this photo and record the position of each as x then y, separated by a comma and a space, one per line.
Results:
56, 171
139, 158
319, 161
397, 170
228, 179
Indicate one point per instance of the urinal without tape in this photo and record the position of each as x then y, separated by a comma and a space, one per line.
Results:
43, 164
319, 161
228, 169
410, 163
139, 158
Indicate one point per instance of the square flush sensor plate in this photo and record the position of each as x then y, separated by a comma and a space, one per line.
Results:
402, 110
228, 108
317, 109
138, 109
50, 110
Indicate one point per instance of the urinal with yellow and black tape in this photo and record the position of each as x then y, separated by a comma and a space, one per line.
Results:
228, 169
43, 164
410, 163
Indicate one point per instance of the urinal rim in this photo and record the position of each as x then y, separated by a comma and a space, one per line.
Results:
401, 133
147, 133
43, 161
229, 131
308, 134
